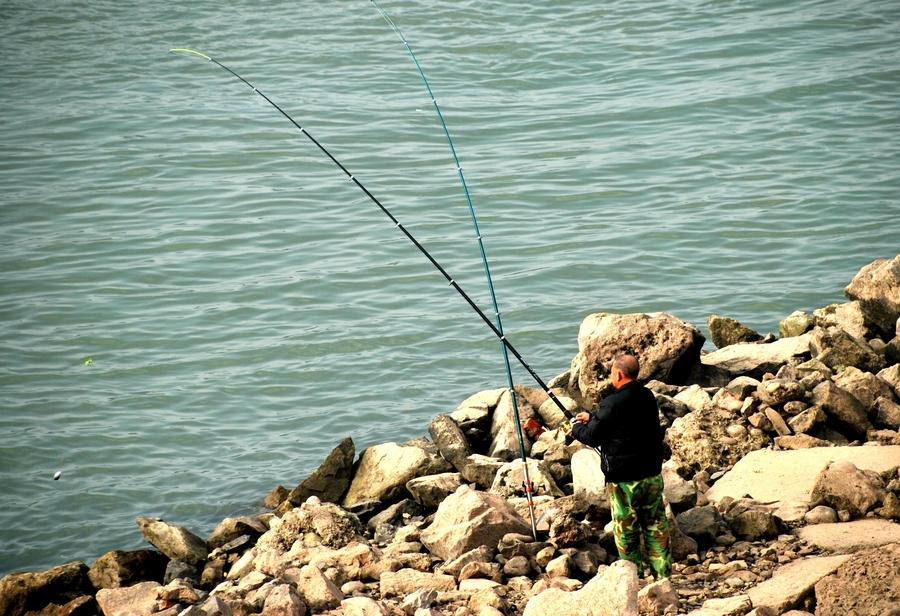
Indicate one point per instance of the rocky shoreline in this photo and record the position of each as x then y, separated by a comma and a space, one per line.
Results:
781, 481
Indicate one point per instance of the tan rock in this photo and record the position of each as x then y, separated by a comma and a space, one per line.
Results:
137, 600
612, 592
793, 582
407, 581
852, 536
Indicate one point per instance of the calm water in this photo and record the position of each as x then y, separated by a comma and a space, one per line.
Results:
244, 307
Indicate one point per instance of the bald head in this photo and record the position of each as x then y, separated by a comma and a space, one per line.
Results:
625, 368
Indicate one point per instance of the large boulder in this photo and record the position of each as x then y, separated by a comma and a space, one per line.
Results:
700, 440
331, 480
838, 350
849, 317
877, 288
866, 584
176, 542
588, 480
843, 486
844, 412
612, 592
726, 331
334, 526
24, 592
666, 347
755, 360
430, 490
119, 568
384, 470
504, 433
284, 600
450, 440
864, 386
468, 519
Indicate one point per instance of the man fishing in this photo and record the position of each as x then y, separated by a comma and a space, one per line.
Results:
626, 428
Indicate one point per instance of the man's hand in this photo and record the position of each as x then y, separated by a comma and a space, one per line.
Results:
583, 417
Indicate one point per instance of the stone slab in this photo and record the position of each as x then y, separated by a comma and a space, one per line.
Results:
792, 582
850, 537
788, 476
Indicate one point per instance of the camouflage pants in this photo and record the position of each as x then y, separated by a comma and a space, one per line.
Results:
638, 510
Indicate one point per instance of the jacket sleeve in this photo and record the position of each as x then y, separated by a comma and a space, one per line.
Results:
591, 433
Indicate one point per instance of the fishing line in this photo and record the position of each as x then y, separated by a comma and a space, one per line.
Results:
529, 488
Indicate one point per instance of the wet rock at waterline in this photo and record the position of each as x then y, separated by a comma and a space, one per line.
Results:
331, 480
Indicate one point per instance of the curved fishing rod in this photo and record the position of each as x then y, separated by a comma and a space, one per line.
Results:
397, 224
487, 272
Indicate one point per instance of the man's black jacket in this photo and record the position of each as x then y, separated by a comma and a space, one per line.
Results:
626, 428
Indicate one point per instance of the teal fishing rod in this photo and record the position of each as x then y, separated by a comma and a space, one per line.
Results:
529, 488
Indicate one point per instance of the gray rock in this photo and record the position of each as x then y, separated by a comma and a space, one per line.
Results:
331, 480
612, 591
887, 414
23, 592
807, 420
335, 526
726, 331
844, 412
516, 566
680, 493
384, 470
396, 513
504, 436
420, 599
178, 569
877, 288
698, 440
481, 554
814, 366
793, 583
753, 525
482, 470
666, 347
450, 440
657, 597
821, 515
408, 581
511, 477
838, 350
776, 392
431, 490
864, 386
118, 568
176, 542
317, 591
755, 360
468, 519
795, 324
230, 529
845, 487
848, 317
284, 601
742, 386
867, 583
552, 416
702, 524
588, 482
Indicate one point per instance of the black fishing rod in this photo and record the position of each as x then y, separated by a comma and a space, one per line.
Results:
529, 486
400, 226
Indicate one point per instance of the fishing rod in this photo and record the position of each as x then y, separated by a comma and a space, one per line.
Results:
497, 332
529, 487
